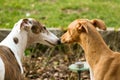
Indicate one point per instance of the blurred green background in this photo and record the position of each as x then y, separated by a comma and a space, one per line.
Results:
59, 13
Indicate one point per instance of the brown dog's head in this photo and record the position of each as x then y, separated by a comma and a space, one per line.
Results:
80, 27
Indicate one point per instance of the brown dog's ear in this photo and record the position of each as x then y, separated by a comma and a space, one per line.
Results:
98, 23
82, 27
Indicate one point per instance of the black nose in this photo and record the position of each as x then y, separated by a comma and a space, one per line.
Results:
59, 41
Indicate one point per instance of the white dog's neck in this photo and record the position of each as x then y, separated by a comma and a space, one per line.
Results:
18, 47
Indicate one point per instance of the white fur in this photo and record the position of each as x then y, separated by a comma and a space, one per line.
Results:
25, 39
18, 49
91, 73
2, 70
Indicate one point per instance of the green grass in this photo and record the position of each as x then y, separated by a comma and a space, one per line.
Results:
59, 13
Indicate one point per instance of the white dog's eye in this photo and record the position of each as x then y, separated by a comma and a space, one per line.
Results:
30, 22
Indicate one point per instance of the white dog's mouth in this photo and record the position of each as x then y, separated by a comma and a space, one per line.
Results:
52, 44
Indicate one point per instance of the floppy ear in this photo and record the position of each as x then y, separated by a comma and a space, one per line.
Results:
35, 29
98, 23
25, 25
82, 28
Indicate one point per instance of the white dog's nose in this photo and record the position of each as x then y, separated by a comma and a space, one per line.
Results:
59, 41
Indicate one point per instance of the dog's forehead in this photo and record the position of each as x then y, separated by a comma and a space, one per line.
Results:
83, 21
76, 22
73, 24
35, 22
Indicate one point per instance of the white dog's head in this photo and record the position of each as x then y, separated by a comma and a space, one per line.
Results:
37, 33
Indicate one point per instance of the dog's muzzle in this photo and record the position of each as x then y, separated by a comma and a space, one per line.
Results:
59, 41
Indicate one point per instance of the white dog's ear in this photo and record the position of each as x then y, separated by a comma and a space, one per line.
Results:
98, 23
82, 28
25, 25
35, 29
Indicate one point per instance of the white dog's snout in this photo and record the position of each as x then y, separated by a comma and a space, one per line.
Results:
50, 39
59, 41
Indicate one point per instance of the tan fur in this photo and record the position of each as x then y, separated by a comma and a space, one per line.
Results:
12, 69
105, 63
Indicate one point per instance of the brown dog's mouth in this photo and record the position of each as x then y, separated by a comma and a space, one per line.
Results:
65, 42
50, 43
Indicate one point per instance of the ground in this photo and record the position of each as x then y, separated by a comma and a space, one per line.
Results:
50, 64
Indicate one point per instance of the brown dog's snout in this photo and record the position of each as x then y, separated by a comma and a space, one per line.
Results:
63, 39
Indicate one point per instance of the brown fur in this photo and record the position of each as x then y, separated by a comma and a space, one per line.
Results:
15, 39
12, 69
105, 63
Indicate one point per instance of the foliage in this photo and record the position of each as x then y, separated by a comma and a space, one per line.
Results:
59, 13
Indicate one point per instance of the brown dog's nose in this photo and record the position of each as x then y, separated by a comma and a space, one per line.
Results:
59, 41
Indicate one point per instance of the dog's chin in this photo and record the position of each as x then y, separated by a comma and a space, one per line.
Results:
65, 42
50, 43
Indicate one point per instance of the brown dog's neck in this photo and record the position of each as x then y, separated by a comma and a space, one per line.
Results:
94, 46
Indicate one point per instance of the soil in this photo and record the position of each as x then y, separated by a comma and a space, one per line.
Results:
51, 64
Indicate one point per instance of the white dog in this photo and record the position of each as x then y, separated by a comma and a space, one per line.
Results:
24, 33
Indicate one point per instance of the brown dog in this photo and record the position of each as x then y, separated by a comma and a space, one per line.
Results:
103, 62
